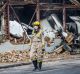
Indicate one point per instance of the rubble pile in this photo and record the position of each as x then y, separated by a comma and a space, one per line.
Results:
14, 56
54, 56
19, 41
23, 56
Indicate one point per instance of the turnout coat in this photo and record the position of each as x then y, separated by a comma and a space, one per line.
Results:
37, 44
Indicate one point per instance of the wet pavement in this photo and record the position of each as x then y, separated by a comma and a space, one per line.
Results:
56, 67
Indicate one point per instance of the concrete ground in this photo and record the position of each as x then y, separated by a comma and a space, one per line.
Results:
55, 67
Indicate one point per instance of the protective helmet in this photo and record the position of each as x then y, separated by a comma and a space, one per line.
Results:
36, 23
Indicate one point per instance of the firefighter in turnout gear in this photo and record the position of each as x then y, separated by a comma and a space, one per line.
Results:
37, 45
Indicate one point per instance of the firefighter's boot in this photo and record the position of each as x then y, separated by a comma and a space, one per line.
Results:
35, 65
39, 65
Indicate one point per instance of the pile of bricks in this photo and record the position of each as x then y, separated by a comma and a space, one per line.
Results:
55, 56
23, 56
14, 56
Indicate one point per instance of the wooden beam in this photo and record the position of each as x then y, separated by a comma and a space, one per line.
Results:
44, 6
57, 7
64, 16
38, 11
76, 2
6, 21
21, 2
3, 7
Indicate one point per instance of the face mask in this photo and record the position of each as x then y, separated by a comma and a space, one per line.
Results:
35, 27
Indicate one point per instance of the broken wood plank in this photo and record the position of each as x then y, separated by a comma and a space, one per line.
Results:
59, 49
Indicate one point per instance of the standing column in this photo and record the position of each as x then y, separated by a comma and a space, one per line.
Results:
64, 16
38, 11
6, 19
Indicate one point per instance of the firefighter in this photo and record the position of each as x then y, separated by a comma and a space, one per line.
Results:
37, 45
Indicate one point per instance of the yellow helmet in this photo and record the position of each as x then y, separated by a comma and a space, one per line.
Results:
36, 23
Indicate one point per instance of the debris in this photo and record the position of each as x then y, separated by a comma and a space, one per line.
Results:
69, 38
16, 32
59, 49
14, 56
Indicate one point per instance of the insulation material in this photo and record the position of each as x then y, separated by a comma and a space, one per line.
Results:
47, 29
16, 29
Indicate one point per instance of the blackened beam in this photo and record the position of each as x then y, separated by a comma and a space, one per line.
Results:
3, 7
56, 7
21, 2
38, 11
33, 3
47, 6
8, 32
76, 2
64, 16
29, 2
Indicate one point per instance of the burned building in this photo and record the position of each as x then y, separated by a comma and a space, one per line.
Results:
24, 12
28, 11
